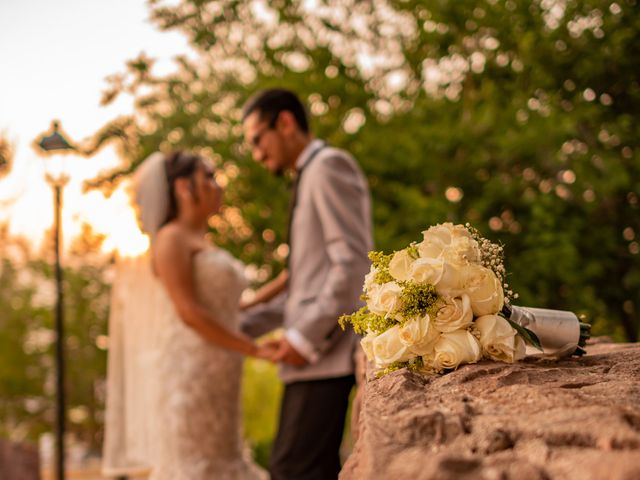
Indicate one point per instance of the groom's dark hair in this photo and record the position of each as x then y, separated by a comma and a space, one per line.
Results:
269, 104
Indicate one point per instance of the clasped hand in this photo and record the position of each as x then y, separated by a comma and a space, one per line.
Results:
280, 351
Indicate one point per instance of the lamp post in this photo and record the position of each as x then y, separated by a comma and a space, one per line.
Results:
57, 177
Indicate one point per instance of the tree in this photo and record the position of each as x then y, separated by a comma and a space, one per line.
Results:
514, 116
27, 340
6, 155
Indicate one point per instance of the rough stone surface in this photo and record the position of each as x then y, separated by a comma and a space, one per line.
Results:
539, 419
18, 461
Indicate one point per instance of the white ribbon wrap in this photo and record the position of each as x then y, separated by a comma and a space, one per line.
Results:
557, 330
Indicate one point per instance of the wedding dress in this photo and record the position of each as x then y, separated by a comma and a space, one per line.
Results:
173, 399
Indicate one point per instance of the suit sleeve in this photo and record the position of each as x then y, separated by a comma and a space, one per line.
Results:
341, 199
263, 317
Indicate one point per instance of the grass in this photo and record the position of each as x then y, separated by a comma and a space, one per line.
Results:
261, 393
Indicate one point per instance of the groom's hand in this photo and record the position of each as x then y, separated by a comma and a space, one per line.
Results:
287, 354
267, 350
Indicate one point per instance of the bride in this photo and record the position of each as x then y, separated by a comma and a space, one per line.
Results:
175, 360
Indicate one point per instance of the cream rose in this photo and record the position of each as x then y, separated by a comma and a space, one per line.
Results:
463, 250
384, 299
367, 345
484, 290
435, 240
446, 233
400, 265
387, 348
499, 340
451, 282
442, 233
426, 270
419, 335
431, 248
455, 348
370, 279
453, 242
454, 314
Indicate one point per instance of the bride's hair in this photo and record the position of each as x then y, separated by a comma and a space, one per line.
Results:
153, 187
179, 164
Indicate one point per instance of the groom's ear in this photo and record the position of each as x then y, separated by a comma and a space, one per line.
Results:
287, 123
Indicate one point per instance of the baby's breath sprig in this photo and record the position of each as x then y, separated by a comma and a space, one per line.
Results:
492, 257
364, 322
417, 300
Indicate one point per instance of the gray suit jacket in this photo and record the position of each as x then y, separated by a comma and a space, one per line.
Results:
330, 238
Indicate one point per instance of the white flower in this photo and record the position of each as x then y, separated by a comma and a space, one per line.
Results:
435, 240
443, 233
419, 335
400, 265
426, 270
463, 250
499, 340
454, 314
451, 282
387, 348
384, 299
370, 279
453, 349
367, 345
454, 242
431, 248
484, 290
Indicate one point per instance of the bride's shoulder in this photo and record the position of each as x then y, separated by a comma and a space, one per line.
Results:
168, 232
168, 236
172, 239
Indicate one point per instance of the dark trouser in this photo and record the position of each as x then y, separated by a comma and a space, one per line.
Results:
312, 417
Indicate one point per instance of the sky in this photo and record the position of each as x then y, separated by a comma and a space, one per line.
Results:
54, 59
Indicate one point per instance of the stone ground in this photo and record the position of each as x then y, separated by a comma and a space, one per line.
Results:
543, 419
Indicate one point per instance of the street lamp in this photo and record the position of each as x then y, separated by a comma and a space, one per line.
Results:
57, 177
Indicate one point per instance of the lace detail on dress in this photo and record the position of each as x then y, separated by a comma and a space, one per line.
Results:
197, 432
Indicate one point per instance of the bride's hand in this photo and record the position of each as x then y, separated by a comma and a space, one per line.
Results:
267, 350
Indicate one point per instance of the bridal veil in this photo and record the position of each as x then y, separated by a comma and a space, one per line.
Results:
134, 337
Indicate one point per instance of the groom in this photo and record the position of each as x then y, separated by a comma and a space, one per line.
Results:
329, 237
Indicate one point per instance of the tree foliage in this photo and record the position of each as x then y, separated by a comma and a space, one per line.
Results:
27, 340
518, 117
6, 154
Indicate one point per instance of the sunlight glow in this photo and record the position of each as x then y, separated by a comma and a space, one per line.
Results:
63, 78
31, 214
119, 223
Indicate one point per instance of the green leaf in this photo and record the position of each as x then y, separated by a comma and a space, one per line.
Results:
528, 336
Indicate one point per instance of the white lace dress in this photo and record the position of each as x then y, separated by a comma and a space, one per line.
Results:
173, 402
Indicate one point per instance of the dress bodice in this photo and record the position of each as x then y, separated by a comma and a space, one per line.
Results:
219, 280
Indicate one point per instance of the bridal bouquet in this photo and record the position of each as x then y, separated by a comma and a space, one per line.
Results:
436, 304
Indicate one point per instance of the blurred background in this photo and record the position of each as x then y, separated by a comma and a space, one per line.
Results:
519, 117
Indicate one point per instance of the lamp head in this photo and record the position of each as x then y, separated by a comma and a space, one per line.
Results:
55, 165
55, 140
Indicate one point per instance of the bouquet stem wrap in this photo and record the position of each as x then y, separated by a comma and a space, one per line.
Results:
559, 331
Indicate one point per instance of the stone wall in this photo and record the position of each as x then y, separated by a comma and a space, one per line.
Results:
576, 418
18, 461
